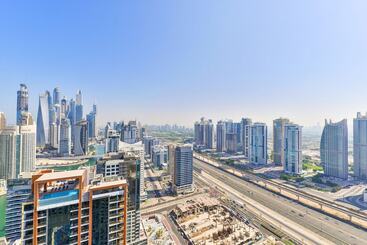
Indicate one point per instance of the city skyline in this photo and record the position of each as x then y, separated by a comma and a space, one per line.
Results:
292, 60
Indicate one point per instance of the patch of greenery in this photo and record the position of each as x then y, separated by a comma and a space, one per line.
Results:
312, 166
289, 177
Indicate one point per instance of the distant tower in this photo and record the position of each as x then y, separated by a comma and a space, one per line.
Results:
246, 127
10, 157
292, 148
221, 137
43, 121
64, 107
78, 107
259, 143
65, 137
57, 96
360, 146
27, 132
2, 120
334, 149
22, 101
92, 118
278, 140
81, 138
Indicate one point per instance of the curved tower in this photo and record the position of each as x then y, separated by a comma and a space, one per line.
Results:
334, 149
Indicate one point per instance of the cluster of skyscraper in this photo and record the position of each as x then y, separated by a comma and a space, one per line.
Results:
251, 139
18, 142
130, 133
61, 124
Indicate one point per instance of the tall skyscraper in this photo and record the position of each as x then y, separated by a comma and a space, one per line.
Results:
10, 152
78, 107
360, 146
246, 127
334, 149
198, 134
71, 115
204, 133
54, 135
259, 143
43, 121
81, 138
64, 107
65, 137
27, 132
238, 132
278, 140
183, 169
2, 120
292, 148
92, 118
209, 134
221, 136
171, 160
67, 208
56, 96
22, 101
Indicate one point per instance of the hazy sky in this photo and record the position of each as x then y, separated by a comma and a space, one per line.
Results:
175, 61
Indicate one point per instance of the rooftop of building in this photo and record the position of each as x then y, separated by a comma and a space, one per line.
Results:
55, 176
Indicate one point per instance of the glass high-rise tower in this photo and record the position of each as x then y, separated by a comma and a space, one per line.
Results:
22, 102
334, 149
360, 146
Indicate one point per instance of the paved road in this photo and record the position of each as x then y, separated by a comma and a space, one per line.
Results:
168, 205
331, 229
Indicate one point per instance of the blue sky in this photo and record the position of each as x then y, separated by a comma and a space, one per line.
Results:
175, 61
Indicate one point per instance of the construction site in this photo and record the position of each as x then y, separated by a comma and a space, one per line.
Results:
206, 221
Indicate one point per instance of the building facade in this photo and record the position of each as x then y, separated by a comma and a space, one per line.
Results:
204, 133
360, 146
43, 121
334, 149
18, 148
81, 138
22, 102
128, 166
221, 137
65, 137
183, 169
92, 118
10, 152
2, 120
259, 143
246, 128
19, 191
279, 140
292, 149
231, 143
67, 209
160, 156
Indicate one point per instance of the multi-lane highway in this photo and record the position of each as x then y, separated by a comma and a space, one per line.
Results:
320, 225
